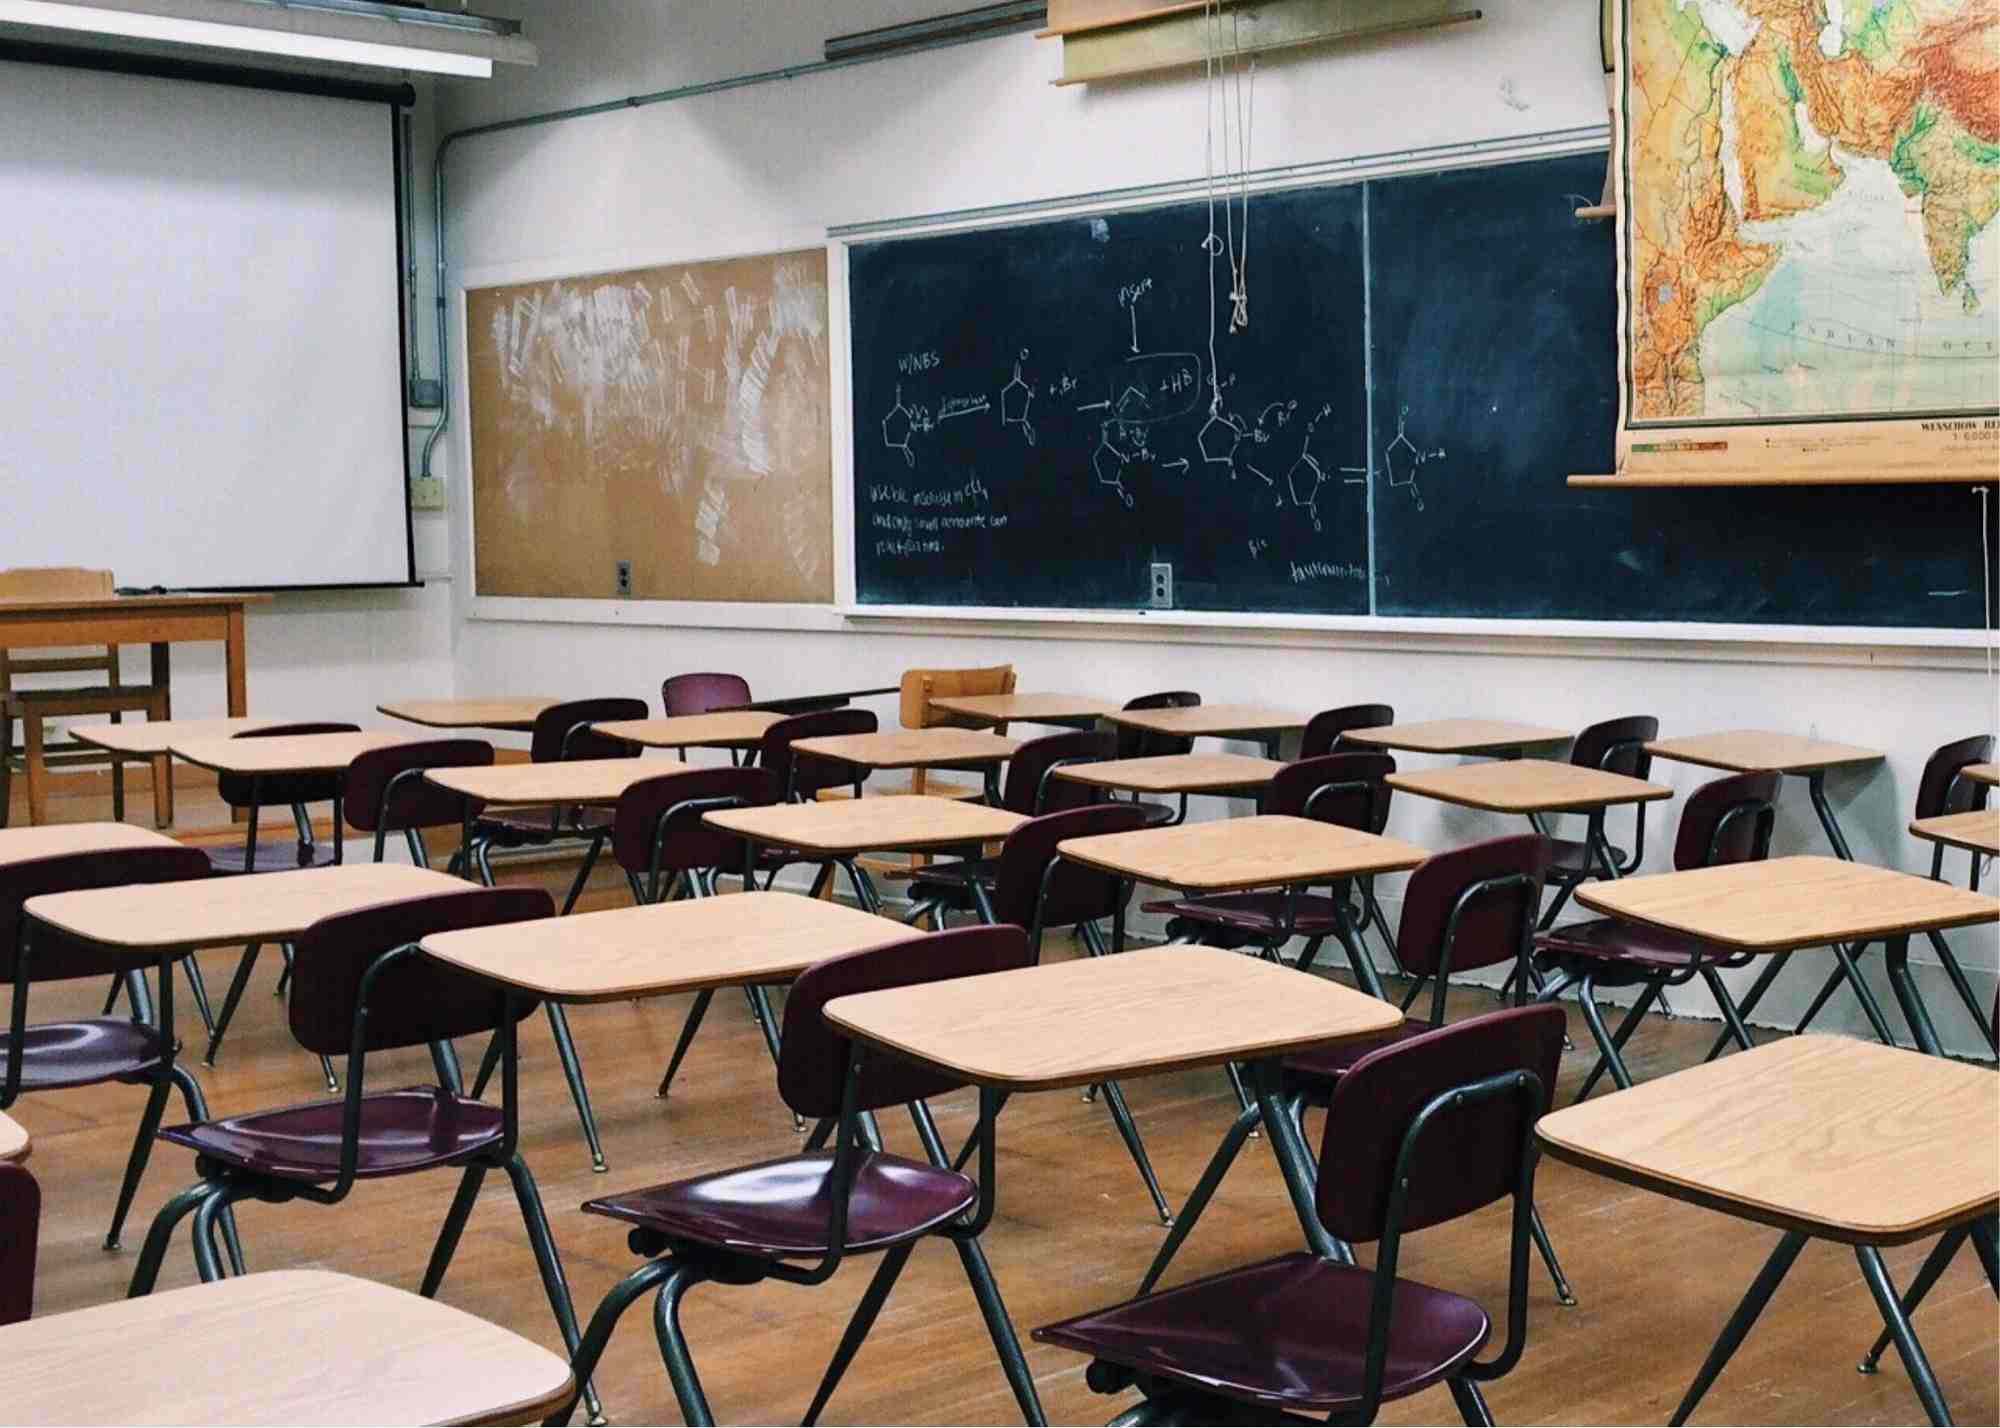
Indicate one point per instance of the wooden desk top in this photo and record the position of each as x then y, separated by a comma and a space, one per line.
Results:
1175, 773
284, 753
1841, 1138
507, 712
1528, 786
911, 748
1759, 751
286, 1346
52, 840
1458, 736
1025, 708
1982, 773
1786, 903
569, 781
221, 912
687, 946
1231, 853
1139, 1013
1977, 830
14, 1144
743, 729
156, 736
1218, 721
898, 822
92, 604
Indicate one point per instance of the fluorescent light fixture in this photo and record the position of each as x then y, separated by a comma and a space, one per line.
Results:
173, 30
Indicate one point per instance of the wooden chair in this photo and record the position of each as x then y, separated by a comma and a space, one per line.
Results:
34, 707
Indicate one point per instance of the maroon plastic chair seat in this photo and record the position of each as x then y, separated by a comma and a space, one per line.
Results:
778, 1209
401, 1131
1260, 914
539, 821
1289, 1333
1649, 951
273, 854
58, 1054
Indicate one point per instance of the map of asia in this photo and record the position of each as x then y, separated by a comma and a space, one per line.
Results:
1809, 258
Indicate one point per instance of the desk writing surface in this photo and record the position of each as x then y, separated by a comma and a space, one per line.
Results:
1982, 773
1761, 751
281, 1347
504, 712
1098, 1018
219, 912
98, 604
1843, 1138
147, 737
690, 945
866, 825
14, 1143
1458, 736
1027, 708
1210, 720
1230, 853
284, 753
1175, 773
911, 748
569, 781
53, 840
741, 729
1785, 903
1528, 786
1977, 830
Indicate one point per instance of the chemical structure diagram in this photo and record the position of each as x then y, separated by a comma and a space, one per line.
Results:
902, 423
1404, 459
1306, 475
1015, 399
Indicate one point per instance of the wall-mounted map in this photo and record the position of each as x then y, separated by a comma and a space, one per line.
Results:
676, 419
1809, 258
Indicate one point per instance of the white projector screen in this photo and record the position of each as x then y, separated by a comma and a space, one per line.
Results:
201, 380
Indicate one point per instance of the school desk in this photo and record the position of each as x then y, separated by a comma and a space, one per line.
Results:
14, 1142
1072, 711
53, 840
1177, 773
1268, 850
1534, 788
1779, 905
1495, 738
1760, 751
840, 830
280, 755
295, 1346
516, 713
1141, 1013
741, 730
1982, 773
152, 739
1820, 1137
933, 748
1977, 830
1214, 721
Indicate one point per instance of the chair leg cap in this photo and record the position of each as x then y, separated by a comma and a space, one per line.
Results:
1865, 1366
111, 1244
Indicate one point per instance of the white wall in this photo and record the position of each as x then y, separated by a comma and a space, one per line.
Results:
775, 165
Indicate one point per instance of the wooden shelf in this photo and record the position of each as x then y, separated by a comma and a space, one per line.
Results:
1651, 479
1598, 210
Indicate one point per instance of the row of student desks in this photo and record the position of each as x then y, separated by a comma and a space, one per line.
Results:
1819, 1137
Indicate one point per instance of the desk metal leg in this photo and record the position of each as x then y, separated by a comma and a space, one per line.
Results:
1909, 998
1848, 969
1294, 1162
1919, 1366
1739, 1323
1357, 957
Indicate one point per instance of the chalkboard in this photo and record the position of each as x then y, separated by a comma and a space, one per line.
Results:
1040, 415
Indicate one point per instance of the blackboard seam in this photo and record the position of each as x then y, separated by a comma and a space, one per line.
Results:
1368, 382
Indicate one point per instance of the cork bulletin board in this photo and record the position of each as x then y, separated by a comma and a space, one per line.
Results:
675, 417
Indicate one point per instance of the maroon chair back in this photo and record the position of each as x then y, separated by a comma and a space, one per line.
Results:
1472, 907
685, 842
701, 693
1468, 1157
1728, 820
556, 735
1323, 731
412, 802
20, 1229
812, 1056
1031, 790
1617, 746
803, 776
1346, 789
416, 1001
241, 790
1144, 744
1941, 790
55, 957
1075, 893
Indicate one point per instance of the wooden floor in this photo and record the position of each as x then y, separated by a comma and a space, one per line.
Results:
1656, 1278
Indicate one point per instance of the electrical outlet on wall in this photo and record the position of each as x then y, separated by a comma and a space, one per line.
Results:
625, 578
1163, 585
